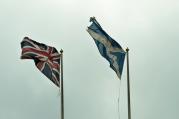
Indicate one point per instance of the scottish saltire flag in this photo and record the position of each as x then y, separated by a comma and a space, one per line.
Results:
46, 58
107, 47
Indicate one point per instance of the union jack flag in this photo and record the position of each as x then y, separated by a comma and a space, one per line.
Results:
46, 58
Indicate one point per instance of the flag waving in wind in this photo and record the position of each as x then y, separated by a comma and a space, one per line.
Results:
46, 58
107, 47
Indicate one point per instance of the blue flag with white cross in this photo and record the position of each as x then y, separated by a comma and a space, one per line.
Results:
107, 47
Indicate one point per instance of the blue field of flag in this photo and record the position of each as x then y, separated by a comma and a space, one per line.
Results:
107, 47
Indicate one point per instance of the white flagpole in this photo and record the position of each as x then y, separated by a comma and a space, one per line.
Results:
61, 86
128, 86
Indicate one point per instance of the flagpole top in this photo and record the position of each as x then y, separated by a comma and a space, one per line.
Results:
61, 51
127, 49
92, 18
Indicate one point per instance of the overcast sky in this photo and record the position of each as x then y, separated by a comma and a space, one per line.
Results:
91, 89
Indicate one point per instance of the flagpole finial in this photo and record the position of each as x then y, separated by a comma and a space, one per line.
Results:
61, 51
127, 49
92, 18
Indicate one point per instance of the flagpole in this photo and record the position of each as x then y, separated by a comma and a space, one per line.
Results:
62, 101
128, 85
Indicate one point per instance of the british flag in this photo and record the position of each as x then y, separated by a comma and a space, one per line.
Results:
46, 58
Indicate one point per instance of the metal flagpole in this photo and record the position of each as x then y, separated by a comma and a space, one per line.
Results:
128, 85
62, 101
